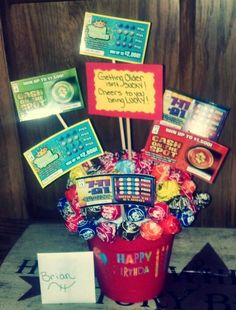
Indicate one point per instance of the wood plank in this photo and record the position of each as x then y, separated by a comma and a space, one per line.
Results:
195, 40
186, 48
12, 186
10, 231
214, 79
53, 32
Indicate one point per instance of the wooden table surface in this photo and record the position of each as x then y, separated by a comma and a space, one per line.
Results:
10, 231
46, 237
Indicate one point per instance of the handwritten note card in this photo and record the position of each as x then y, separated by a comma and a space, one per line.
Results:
67, 277
125, 90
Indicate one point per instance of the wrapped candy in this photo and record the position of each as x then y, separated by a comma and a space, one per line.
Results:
144, 166
106, 231
161, 171
128, 230
188, 187
86, 229
108, 161
72, 197
135, 213
71, 217
92, 213
186, 216
71, 193
179, 176
176, 203
171, 225
183, 209
111, 212
72, 223
202, 200
180, 203
167, 190
159, 211
64, 208
125, 166
150, 230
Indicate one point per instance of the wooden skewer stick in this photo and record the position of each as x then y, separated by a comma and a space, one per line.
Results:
62, 121
129, 138
122, 134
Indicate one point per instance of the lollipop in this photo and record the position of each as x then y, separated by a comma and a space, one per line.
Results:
128, 230
161, 171
150, 230
106, 231
171, 225
176, 205
167, 190
135, 213
159, 211
86, 229
111, 212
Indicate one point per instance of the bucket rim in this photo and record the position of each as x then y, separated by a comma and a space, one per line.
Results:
139, 242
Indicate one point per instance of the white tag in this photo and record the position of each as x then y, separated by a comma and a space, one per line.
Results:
67, 277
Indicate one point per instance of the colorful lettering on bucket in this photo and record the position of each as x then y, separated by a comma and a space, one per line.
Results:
128, 260
133, 258
133, 271
100, 255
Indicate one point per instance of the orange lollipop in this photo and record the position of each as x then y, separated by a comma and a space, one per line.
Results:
150, 230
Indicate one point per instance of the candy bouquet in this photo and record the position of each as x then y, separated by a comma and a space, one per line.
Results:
127, 205
132, 241
176, 201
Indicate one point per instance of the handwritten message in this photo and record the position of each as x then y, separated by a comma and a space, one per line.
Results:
61, 281
66, 277
125, 91
133, 91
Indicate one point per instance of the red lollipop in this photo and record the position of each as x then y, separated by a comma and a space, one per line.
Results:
170, 225
71, 193
111, 212
161, 172
72, 222
188, 187
106, 231
159, 211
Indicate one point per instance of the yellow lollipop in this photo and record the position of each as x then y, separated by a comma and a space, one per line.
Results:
167, 190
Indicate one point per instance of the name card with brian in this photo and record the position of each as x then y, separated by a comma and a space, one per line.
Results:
67, 277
